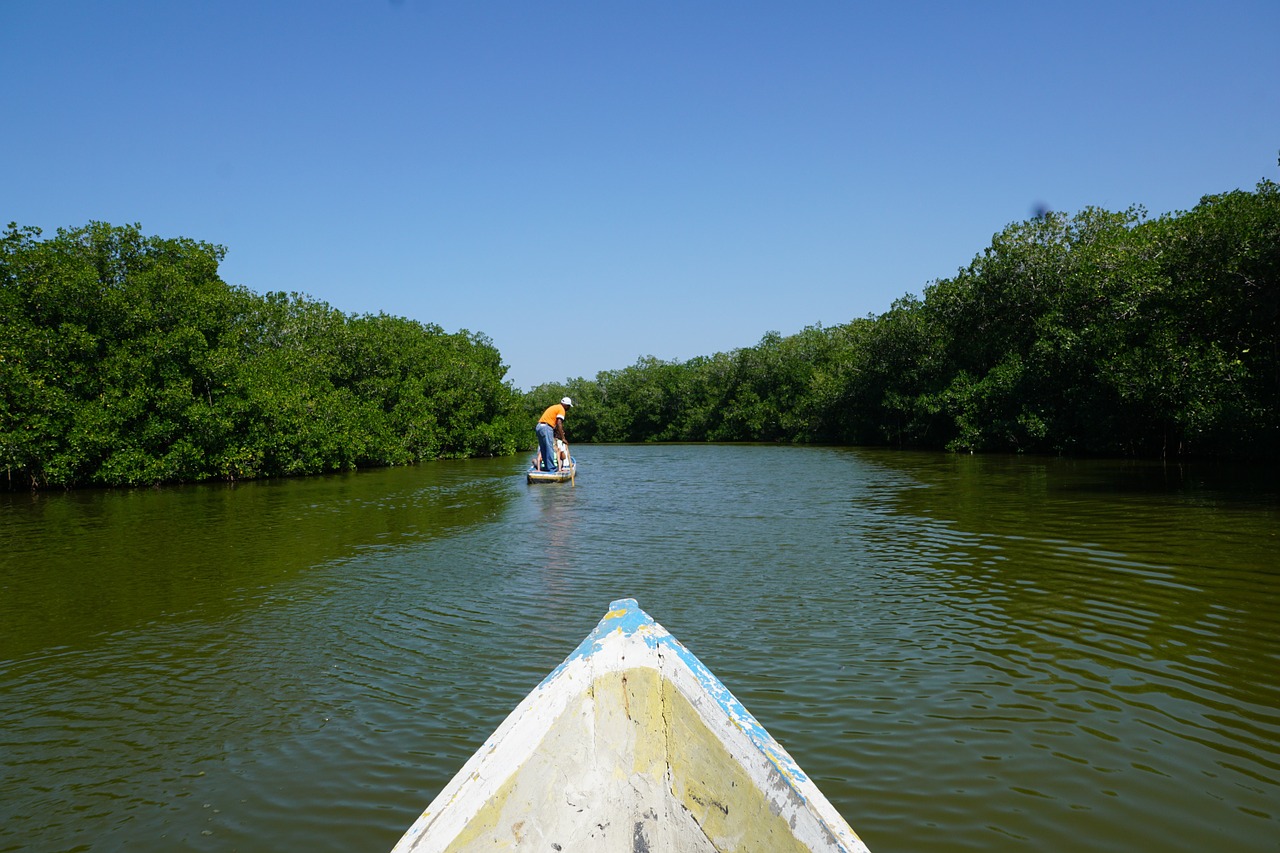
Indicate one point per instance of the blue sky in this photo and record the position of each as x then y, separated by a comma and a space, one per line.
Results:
591, 182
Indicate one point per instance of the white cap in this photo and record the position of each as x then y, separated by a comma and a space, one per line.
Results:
566, 402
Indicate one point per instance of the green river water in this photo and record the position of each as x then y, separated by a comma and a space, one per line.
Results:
964, 652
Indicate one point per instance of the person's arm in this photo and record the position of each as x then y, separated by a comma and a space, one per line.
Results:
559, 430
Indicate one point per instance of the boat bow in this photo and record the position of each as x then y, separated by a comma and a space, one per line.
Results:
631, 744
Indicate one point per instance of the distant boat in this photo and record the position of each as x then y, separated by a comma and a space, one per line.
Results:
559, 476
631, 744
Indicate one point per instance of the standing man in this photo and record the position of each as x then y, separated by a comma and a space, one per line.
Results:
550, 427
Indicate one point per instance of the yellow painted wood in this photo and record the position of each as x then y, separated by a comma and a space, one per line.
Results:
630, 765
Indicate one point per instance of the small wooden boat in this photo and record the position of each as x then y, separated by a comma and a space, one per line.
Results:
563, 475
631, 744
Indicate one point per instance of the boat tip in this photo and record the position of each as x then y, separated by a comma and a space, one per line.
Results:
621, 605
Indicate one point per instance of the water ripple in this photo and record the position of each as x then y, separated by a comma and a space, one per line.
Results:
965, 654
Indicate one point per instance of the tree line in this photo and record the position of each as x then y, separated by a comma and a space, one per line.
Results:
1106, 333
126, 360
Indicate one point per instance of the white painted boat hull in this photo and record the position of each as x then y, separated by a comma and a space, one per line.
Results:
631, 744
535, 476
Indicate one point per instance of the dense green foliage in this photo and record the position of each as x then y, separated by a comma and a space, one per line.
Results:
125, 359
1102, 333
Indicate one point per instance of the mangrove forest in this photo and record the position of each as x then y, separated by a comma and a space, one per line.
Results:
126, 360
1100, 333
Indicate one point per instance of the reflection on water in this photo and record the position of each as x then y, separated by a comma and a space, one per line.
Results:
966, 653
82, 563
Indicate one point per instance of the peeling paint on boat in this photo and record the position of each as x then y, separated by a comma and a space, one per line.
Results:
630, 744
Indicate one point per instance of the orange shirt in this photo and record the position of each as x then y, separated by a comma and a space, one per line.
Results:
550, 415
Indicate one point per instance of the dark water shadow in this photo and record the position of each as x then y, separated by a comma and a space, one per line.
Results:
78, 564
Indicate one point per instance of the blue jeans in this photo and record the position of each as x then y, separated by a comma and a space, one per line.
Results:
547, 444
